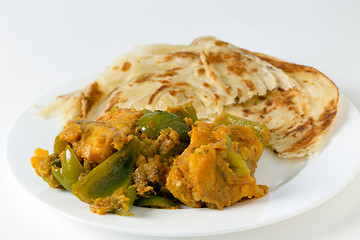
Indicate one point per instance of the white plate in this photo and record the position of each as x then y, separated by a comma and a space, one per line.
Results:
295, 185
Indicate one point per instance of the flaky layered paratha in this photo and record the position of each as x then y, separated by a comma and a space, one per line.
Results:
298, 118
209, 73
297, 103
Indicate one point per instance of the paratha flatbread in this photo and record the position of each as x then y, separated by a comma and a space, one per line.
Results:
297, 103
298, 118
209, 73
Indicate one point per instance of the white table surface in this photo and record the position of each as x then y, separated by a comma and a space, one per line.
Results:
46, 43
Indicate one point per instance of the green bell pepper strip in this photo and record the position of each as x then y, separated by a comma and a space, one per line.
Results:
70, 170
236, 162
114, 173
55, 160
190, 112
185, 111
155, 201
145, 111
175, 150
130, 194
261, 131
152, 123
59, 145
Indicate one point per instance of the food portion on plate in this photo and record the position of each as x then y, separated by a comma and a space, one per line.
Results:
168, 123
154, 158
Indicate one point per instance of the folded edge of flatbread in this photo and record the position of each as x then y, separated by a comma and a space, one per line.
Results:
298, 118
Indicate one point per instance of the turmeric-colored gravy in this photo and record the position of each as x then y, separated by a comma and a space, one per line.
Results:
214, 167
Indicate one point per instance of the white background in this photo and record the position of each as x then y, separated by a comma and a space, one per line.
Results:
46, 43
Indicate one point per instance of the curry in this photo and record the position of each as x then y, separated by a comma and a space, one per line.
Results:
156, 159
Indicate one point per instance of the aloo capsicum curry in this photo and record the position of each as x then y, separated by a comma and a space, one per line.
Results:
155, 159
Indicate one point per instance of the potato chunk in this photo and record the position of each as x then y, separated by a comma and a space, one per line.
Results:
203, 173
95, 141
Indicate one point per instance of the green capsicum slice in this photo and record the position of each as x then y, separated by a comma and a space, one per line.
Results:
175, 150
184, 111
152, 123
70, 169
130, 195
155, 201
59, 145
236, 162
261, 131
114, 173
